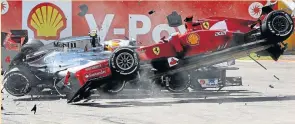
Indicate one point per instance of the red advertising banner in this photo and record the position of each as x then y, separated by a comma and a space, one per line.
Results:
144, 21
11, 15
117, 19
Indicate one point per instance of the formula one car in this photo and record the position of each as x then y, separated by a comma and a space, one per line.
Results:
179, 54
46, 80
35, 65
200, 46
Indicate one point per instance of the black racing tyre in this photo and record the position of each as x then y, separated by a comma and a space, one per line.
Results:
124, 62
161, 64
113, 87
19, 81
277, 26
178, 82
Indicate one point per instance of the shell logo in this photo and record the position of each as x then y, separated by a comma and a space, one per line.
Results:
4, 7
193, 39
47, 21
255, 9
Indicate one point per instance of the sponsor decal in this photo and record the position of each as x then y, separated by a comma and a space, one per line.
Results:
208, 82
156, 50
95, 74
193, 39
69, 45
172, 61
47, 21
206, 25
211, 82
93, 67
255, 9
202, 82
4, 7
220, 33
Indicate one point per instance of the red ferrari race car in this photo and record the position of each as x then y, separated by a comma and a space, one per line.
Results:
181, 53
202, 45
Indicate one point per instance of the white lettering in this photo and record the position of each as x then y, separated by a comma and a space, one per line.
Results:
133, 30
220, 33
182, 29
102, 33
95, 74
93, 67
119, 31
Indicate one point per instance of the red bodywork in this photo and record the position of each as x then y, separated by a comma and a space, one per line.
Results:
198, 39
99, 70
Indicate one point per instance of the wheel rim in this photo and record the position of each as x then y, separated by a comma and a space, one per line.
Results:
280, 24
125, 61
17, 84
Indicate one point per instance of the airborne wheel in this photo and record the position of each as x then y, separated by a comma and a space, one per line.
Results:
124, 62
277, 25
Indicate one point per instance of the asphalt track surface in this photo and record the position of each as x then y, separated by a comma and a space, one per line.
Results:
256, 102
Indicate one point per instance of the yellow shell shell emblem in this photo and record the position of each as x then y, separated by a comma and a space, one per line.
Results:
193, 39
156, 50
47, 21
206, 25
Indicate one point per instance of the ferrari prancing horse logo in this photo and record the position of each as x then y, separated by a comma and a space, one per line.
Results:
206, 25
156, 50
